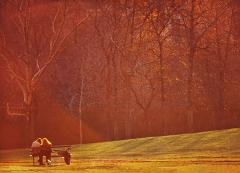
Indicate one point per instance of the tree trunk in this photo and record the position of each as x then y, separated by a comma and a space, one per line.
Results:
148, 122
191, 54
160, 56
221, 100
28, 100
80, 113
108, 110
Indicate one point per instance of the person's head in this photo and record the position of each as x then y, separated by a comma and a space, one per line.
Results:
46, 142
39, 140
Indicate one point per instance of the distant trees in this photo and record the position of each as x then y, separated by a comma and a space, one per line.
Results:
138, 67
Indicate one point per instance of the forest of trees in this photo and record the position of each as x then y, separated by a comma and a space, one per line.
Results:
125, 68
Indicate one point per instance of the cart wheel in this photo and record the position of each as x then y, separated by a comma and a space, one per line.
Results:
67, 158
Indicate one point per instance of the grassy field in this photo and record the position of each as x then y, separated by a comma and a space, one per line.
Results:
207, 152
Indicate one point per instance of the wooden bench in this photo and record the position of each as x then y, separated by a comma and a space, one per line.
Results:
57, 151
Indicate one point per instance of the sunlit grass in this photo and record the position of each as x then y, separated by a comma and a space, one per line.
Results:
208, 152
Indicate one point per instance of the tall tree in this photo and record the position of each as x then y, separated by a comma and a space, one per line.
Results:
40, 40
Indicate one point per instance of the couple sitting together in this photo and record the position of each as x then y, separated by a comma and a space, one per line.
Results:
42, 147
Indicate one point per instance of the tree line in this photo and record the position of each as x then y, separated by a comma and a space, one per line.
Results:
127, 68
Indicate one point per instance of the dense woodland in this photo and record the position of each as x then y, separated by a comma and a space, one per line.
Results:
86, 71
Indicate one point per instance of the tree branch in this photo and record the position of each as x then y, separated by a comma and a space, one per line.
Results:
53, 56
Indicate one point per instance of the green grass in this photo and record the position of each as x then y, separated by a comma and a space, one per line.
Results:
216, 143
208, 152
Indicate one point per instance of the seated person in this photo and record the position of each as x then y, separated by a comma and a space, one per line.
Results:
36, 150
37, 143
46, 149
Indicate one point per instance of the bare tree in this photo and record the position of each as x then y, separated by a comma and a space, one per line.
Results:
195, 22
34, 53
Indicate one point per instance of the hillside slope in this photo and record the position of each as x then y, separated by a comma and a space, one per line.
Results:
217, 144
214, 143
208, 152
